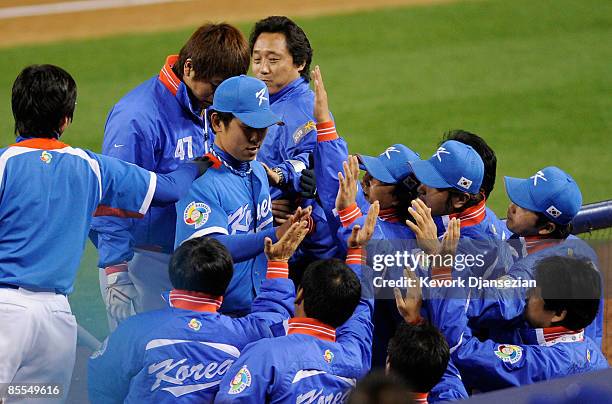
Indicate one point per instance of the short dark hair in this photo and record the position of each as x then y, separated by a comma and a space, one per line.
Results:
379, 388
419, 354
298, 44
561, 232
225, 117
43, 95
201, 265
484, 151
215, 50
331, 291
571, 284
405, 192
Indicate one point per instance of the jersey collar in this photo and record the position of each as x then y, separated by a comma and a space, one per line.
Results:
471, 216
310, 326
551, 335
40, 143
167, 76
389, 215
534, 244
287, 89
194, 301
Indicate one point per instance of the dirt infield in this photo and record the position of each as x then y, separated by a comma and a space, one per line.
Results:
172, 15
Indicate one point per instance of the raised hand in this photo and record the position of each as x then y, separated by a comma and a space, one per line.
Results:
360, 236
347, 189
424, 227
300, 214
284, 248
321, 106
409, 306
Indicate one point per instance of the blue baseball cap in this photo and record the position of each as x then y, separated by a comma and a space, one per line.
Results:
550, 191
391, 166
453, 165
248, 99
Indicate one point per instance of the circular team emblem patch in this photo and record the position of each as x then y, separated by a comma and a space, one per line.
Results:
328, 356
46, 157
195, 324
509, 353
196, 214
241, 381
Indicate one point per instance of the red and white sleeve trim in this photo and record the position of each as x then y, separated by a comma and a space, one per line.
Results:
355, 256
113, 269
277, 269
326, 131
349, 214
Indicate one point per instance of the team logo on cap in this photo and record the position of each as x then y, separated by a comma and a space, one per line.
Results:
554, 212
46, 157
196, 214
328, 356
538, 175
390, 150
509, 353
195, 325
260, 96
441, 150
464, 183
241, 381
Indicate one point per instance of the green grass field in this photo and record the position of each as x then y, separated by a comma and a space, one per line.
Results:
533, 78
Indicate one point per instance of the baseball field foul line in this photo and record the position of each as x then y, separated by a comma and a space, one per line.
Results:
74, 6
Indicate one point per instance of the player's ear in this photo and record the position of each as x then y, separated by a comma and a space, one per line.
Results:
458, 200
559, 316
188, 68
215, 122
548, 228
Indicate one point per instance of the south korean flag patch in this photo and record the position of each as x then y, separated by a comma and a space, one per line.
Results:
554, 212
464, 183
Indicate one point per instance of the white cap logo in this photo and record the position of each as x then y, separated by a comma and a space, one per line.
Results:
389, 151
464, 183
554, 212
441, 150
260, 95
537, 175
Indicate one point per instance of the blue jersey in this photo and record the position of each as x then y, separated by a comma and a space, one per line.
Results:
450, 387
495, 307
49, 192
181, 353
232, 198
154, 126
542, 354
329, 363
288, 147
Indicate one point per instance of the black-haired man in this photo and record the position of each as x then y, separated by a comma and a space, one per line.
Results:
280, 56
49, 192
183, 351
329, 342
564, 301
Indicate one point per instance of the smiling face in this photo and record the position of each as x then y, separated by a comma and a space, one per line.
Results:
272, 63
239, 140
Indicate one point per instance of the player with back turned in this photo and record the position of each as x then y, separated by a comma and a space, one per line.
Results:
49, 192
